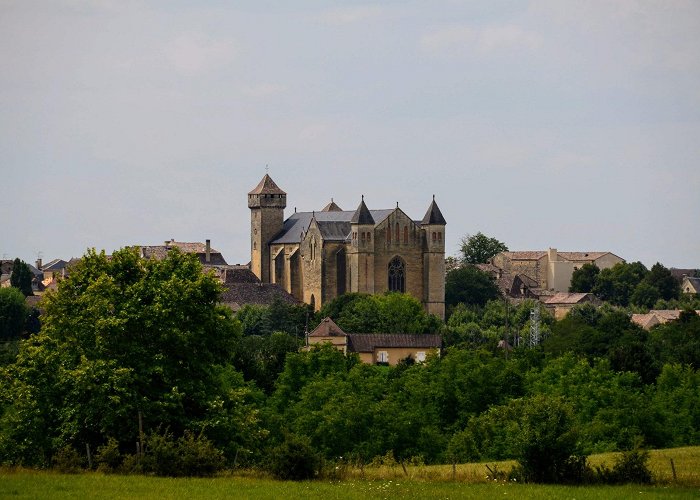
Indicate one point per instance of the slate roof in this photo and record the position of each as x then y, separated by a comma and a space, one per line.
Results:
434, 215
54, 265
299, 222
694, 282
362, 215
331, 207
368, 342
238, 274
267, 186
239, 294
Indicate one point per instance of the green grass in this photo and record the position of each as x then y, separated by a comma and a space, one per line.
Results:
378, 482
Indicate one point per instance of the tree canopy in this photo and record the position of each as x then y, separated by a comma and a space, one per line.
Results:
123, 336
469, 285
479, 248
21, 277
13, 313
583, 280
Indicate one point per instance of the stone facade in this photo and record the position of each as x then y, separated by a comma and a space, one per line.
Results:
317, 256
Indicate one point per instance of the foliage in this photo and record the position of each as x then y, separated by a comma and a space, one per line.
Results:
616, 284
547, 444
279, 316
479, 248
630, 467
584, 279
123, 336
67, 461
469, 285
13, 314
188, 455
661, 278
294, 459
389, 313
21, 277
678, 341
108, 457
261, 358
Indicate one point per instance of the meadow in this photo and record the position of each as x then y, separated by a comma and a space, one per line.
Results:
470, 481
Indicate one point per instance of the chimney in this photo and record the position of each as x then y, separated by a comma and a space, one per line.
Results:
207, 256
552, 254
38, 263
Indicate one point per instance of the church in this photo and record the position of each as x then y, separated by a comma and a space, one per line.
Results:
318, 256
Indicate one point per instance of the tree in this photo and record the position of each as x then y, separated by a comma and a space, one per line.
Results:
645, 295
21, 277
583, 280
616, 284
13, 313
479, 248
469, 285
122, 337
661, 278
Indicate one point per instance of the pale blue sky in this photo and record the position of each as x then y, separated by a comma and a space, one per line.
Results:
570, 124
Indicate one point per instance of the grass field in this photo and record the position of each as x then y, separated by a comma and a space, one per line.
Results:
380, 482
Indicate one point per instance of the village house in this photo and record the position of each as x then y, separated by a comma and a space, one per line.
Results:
690, 285
376, 348
550, 270
656, 317
561, 303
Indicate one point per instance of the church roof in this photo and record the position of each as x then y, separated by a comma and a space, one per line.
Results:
434, 215
368, 342
331, 224
267, 186
331, 207
362, 215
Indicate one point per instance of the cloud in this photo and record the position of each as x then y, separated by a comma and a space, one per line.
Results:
193, 53
484, 40
348, 15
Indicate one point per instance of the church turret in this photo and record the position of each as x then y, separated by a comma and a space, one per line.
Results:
267, 203
433, 225
361, 252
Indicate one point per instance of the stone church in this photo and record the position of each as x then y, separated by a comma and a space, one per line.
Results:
317, 256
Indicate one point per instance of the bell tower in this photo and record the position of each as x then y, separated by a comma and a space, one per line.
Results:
267, 203
433, 226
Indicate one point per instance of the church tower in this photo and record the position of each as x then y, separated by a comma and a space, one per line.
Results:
267, 203
361, 251
433, 225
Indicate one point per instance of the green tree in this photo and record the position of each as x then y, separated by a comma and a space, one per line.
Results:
661, 278
13, 313
616, 284
21, 277
469, 285
645, 295
479, 248
124, 336
583, 280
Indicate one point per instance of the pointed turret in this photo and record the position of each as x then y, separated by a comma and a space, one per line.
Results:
362, 215
433, 216
267, 186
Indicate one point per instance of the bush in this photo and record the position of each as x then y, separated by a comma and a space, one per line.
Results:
108, 457
295, 459
630, 467
67, 460
548, 452
188, 455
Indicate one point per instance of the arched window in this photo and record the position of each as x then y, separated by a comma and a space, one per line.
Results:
398, 235
397, 275
388, 233
440, 236
369, 236
405, 235
434, 236
364, 236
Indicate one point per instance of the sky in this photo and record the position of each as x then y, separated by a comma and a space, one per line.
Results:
545, 123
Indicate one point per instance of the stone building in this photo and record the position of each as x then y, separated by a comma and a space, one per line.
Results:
317, 256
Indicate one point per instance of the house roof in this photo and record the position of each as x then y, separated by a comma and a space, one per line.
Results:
657, 316
368, 342
327, 328
299, 223
267, 186
582, 256
568, 298
434, 215
238, 274
160, 252
525, 255
694, 282
681, 273
54, 265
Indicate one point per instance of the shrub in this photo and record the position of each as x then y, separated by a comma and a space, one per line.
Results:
67, 460
108, 457
294, 459
630, 467
188, 455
